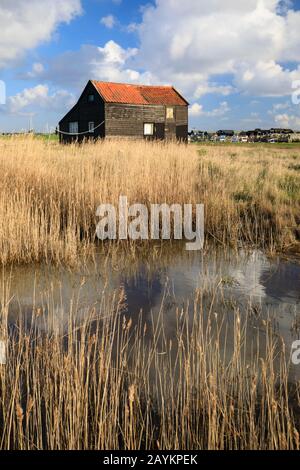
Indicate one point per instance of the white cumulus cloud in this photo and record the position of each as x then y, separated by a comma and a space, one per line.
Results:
189, 42
26, 24
196, 110
108, 63
108, 21
39, 97
290, 121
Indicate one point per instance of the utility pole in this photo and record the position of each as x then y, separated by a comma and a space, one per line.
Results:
30, 123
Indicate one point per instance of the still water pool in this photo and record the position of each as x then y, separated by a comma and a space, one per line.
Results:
269, 288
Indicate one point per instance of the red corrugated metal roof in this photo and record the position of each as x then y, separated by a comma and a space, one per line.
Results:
139, 94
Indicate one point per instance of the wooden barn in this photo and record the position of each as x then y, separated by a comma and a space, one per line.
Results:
116, 110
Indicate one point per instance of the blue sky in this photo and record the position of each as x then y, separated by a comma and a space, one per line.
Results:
236, 62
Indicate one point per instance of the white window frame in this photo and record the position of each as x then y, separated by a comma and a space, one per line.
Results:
91, 127
74, 127
148, 129
170, 113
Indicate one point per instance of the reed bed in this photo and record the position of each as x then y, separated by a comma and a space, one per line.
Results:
107, 381
100, 378
49, 193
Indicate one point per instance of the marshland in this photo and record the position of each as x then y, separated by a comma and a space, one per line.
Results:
142, 345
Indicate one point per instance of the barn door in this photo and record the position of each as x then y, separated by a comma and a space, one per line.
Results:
160, 131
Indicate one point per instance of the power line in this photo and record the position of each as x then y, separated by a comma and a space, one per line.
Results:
90, 131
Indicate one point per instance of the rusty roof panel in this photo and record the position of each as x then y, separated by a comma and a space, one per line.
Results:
139, 94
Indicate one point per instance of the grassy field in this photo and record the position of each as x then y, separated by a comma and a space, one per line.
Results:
47, 137
53, 137
49, 193
281, 146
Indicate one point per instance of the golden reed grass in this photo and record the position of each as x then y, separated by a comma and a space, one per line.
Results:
106, 381
49, 193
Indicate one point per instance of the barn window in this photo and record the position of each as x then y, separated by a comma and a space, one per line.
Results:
148, 129
73, 127
170, 113
91, 98
91, 127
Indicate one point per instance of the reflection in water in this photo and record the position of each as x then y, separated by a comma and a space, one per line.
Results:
282, 282
271, 287
142, 291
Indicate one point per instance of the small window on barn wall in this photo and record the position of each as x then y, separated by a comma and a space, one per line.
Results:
149, 129
73, 127
91, 127
170, 113
91, 98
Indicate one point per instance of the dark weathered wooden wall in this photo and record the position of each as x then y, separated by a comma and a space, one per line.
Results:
85, 112
128, 121
182, 123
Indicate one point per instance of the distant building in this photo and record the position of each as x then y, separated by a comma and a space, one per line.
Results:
198, 136
281, 131
225, 133
252, 136
295, 137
